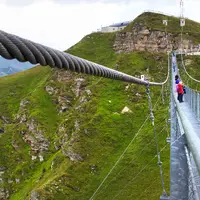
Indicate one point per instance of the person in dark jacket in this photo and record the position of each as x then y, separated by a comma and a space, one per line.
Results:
177, 80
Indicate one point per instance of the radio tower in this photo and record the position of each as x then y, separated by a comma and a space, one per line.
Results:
182, 9
182, 24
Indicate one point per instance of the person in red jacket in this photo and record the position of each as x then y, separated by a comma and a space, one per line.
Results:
180, 91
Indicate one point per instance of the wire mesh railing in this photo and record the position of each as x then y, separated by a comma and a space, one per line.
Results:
185, 143
193, 177
192, 181
192, 97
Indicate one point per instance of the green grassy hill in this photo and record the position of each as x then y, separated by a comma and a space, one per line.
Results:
62, 132
192, 65
153, 21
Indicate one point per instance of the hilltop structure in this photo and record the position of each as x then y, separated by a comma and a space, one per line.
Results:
115, 27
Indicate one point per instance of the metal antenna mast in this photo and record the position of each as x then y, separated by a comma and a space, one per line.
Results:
182, 9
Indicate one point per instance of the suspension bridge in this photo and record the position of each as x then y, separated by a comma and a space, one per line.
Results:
184, 117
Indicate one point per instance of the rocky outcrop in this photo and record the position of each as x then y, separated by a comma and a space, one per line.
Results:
51, 90
64, 76
2, 171
79, 83
141, 38
35, 137
68, 147
4, 194
64, 103
5, 119
34, 196
73, 156
32, 134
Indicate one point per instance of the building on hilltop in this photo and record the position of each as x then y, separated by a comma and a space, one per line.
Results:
115, 27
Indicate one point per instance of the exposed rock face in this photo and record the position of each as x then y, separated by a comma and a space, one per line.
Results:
5, 119
34, 196
4, 194
78, 85
23, 103
65, 103
33, 135
2, 171
64, 76
73, 156
68, 147
72, 95
36, 138
142, 38
50, 90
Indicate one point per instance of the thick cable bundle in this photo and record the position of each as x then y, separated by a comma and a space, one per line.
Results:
12, 46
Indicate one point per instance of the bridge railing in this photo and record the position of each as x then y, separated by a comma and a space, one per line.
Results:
192, 97
185, 157
192, 171
191, 133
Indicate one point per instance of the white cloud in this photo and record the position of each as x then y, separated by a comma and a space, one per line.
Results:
60, 24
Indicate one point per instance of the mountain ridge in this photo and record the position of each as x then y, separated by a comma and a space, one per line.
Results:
8, 67
148, 33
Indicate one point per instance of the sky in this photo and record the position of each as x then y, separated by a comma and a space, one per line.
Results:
62, 23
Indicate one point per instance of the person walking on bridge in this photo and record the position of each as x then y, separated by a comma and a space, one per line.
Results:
177, 82
180, 91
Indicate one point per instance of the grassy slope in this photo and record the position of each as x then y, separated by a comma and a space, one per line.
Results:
108, 131
154, 21
192, 65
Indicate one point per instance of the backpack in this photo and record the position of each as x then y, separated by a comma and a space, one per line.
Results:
184, 89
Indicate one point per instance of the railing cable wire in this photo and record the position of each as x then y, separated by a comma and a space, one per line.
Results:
182, 61
121, 156
156, 140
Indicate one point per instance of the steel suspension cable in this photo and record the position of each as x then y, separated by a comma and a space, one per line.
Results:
143, 169
147, 188
156, 141
182, 60
138, 173
123, 169
91, 198
187, 85
12, 46
98, 188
